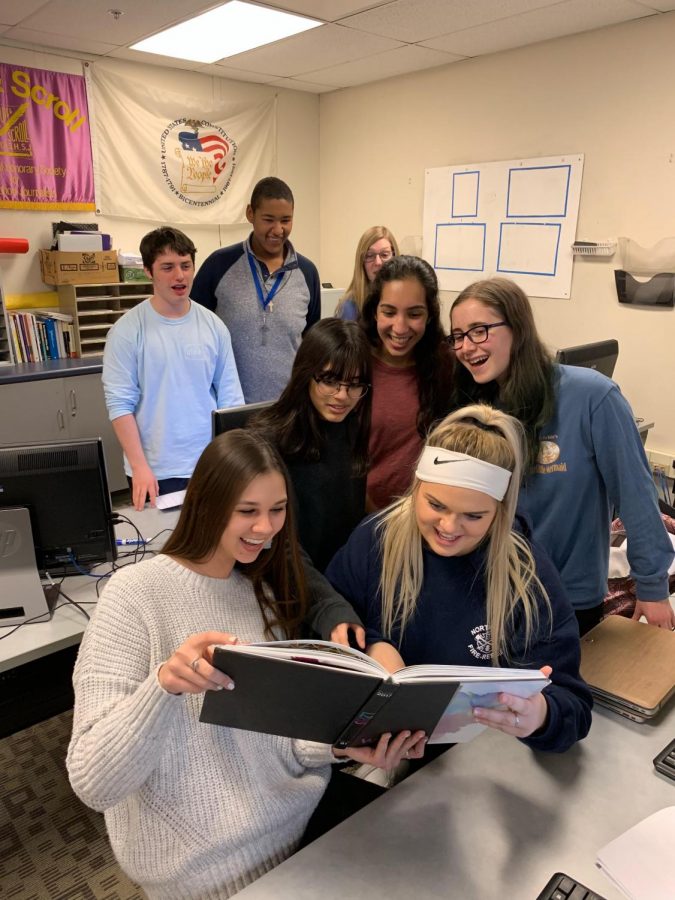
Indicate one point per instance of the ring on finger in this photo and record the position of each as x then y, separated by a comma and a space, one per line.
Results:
516, 720
194, 664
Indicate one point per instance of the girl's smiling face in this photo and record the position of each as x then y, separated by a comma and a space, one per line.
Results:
401, 318
453, 520
488, 361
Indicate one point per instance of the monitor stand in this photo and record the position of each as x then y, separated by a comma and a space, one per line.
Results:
22, 599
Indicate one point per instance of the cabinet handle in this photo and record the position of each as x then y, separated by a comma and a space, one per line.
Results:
60, 419
73, 403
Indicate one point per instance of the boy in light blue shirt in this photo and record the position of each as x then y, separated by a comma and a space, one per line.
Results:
167, 364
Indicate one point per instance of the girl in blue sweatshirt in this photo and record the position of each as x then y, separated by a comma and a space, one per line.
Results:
585, 456
444, 575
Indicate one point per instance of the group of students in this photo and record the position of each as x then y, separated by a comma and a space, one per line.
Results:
491, 473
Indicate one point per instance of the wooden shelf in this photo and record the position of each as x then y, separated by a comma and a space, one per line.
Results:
85, 302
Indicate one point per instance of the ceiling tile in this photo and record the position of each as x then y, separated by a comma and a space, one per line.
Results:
296, 84
235, 74
58, 41
13, 11
151, 59
418, 20
410, 58
570, 17
91, 18
328, 45
326, 10
658, 5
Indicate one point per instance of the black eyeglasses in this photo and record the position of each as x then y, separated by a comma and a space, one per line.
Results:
477, 335
329, 385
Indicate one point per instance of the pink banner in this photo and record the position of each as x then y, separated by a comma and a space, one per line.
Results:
45, 148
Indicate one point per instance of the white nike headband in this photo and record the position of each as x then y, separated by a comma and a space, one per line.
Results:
440, 466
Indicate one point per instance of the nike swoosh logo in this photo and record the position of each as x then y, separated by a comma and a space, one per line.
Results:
441, 462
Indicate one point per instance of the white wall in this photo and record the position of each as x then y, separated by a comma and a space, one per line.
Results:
297, 154
607, 94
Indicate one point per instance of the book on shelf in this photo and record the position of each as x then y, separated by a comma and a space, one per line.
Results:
326, 692
40, 334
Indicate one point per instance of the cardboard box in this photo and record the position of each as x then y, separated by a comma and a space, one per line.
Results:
133, 274
59, 267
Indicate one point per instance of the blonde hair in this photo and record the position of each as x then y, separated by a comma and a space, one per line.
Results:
359, 285
511, 581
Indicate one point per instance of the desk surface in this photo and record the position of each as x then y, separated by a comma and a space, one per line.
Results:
67, 624
489, 820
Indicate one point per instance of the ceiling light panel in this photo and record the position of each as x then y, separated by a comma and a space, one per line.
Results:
230, 29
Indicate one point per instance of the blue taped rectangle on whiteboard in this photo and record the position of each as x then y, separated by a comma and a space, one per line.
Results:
460, 246
528, 248
465, 188
538, 191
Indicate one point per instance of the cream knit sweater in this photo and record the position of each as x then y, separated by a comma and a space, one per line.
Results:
192, 810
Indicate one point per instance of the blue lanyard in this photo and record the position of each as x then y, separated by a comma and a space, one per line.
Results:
264, 300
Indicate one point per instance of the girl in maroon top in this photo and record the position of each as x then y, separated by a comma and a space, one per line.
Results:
412, 371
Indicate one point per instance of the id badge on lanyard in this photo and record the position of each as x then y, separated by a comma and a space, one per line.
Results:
266, 302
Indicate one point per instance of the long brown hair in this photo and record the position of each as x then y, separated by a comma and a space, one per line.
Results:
434, 363
225, 468
528, 389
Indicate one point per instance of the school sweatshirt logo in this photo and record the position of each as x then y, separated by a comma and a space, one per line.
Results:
481, 645
198, 160
548, 456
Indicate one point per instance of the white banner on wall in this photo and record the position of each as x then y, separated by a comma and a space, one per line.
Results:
172, 158
516, 218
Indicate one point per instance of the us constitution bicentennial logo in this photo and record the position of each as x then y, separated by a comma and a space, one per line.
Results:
481, 646
198, 160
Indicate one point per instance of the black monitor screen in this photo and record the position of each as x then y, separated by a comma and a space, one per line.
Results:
65, 489
601, 356
235, 417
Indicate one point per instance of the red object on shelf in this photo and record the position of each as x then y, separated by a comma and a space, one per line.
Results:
13, 245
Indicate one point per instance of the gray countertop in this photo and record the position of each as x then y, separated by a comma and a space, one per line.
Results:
52, 368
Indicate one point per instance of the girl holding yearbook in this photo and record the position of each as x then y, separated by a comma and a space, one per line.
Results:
196, 810
448, 575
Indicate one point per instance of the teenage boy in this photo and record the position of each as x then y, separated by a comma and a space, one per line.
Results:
167, 363
267, 294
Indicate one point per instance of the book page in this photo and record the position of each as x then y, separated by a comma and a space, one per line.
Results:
317, 652
457, 724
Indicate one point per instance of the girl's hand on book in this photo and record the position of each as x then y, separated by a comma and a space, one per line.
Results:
389, 751
189, 669
340, 634
522, 716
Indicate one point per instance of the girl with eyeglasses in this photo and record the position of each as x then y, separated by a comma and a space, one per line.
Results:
412, 372
447, 575
376, 247
320, 426
585, 456
195, 810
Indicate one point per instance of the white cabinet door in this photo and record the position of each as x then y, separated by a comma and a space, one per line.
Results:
32, 411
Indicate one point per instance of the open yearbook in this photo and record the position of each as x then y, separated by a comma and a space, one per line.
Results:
326, 692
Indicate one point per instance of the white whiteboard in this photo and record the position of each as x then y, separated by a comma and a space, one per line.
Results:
516, 218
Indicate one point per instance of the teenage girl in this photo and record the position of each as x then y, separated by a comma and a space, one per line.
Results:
195, 810
446, 576
585, 456
412, 370
376, 247
320, 427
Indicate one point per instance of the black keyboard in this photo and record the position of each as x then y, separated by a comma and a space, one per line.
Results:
562, 887
664, 762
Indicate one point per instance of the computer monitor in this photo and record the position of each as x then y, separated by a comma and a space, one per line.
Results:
601, 356
235, 417
64, 487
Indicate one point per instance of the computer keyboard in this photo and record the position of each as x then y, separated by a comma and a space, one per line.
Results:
664, 762
562, 887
